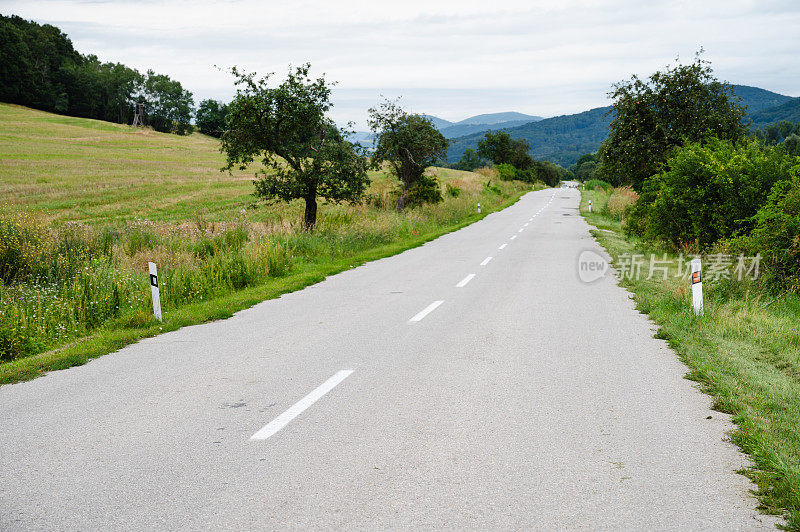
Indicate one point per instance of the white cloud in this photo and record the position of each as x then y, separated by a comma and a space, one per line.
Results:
449, 58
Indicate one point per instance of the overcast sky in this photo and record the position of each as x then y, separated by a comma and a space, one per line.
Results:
452, 59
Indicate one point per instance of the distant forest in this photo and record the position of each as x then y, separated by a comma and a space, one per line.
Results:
563, 139
40, 68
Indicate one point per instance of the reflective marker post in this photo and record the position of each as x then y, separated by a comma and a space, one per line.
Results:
590, 205
479, 208
154, 291
697, 287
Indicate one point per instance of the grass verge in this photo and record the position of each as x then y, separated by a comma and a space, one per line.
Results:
744, 351
116, 334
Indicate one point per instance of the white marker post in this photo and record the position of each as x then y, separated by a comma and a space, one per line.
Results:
697, 287
479, 208
590, 205
154, 291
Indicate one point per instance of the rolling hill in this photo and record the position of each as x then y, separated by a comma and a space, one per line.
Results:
439, 123
473, 124
789, 110
497, 118
460, 130
562, 139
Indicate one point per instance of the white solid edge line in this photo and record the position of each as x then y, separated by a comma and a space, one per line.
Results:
296, 409
503, 246
465, 280
486, 261
427, 310
513, 237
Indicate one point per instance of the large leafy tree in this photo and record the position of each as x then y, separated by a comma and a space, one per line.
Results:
210, 117
469, 161
650, 117
304, 154
585, 168
500, 148
168, 107
409, 143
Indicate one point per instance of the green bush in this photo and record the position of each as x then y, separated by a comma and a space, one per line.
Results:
709, 192
776, 235
792, 144
506, 171
425, 190
527, 176
452, 190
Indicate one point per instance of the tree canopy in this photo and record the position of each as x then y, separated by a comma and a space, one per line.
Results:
500, 148
40, 68
304, 154
682, 103
210, 117
469, 161
168, 107
409, 143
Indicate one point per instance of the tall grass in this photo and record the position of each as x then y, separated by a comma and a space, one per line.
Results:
618, 201
62, 282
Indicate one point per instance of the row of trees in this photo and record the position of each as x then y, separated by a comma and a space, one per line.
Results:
306, 156
783, 132
510, 156
512, 159
40, 68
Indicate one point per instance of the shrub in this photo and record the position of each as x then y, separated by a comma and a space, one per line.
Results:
776, 235
425, 190
709, 192
506, 171
527, 176
792, 144
452, 191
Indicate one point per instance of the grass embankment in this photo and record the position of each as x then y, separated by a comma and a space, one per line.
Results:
745, 352
87, 204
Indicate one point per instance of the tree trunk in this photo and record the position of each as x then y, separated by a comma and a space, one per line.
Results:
401, 201
310, 219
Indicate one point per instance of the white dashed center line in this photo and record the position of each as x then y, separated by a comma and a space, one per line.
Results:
486, 261
513, 237
465, 280
295, 410
427, 310
503, 246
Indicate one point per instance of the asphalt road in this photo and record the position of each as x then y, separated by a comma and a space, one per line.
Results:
524, 399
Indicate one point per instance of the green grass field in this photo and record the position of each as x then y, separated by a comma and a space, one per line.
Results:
87, 204
744, 351
74, 169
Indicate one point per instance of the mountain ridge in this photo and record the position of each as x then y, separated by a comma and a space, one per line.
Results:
562, 139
